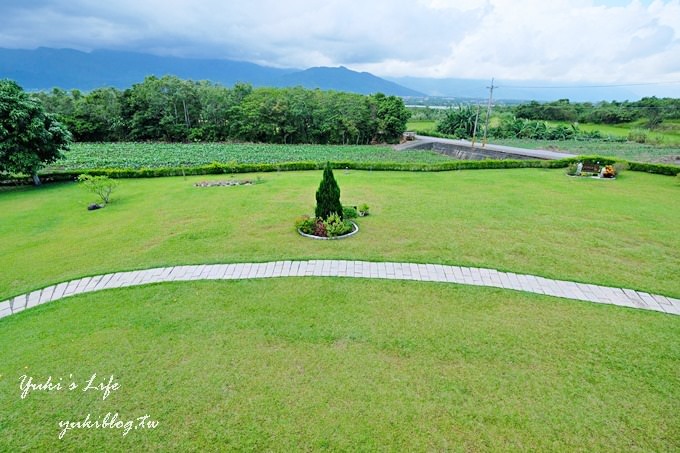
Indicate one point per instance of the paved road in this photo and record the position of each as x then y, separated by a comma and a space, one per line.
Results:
355, 269
537, 153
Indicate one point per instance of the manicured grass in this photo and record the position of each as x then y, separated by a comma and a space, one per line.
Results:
342, 365
537, 221
151, 155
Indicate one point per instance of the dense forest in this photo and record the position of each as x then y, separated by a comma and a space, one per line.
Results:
172, 109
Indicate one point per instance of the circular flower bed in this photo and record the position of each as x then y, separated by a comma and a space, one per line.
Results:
333, 227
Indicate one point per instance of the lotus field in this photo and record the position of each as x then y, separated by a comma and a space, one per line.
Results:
153, 155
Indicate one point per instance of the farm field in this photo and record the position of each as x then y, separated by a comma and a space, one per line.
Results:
338, 364
626, 150
667, 134
666, 151
421, 125
137, 155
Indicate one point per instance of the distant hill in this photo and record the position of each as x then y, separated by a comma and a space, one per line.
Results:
516, 90
343, 79
45, 68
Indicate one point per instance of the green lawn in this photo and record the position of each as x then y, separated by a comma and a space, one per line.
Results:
341, 365
338, 364
537, 221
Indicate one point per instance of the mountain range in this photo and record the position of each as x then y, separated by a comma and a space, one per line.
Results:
46, 68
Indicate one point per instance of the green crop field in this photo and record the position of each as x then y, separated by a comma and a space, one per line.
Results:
626, 150
137, 155
666, 134
338, 364
421, 125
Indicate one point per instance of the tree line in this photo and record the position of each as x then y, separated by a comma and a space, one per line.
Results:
528, 120
651, 110
176, 110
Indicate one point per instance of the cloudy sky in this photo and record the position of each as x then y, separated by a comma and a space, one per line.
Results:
604, 41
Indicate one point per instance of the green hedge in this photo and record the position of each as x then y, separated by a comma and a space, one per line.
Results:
659, 169
218, 168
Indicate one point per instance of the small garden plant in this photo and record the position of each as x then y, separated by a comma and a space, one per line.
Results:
331, 218
102, 186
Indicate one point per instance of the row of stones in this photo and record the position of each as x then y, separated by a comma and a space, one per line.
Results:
339, 268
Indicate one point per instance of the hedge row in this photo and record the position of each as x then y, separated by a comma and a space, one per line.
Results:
659, 169
218, 168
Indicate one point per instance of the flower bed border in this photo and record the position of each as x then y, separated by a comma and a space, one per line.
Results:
344, 236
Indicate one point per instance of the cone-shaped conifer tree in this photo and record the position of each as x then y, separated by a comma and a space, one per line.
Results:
328, 195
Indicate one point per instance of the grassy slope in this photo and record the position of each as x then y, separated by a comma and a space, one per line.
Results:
344, 365
622, 232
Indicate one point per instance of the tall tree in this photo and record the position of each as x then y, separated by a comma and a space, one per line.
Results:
328, 195
29, 137
391, 116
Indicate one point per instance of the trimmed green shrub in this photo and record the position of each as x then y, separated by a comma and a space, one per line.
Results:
335, 226
306, 224
572, 169
349, 212
328, 195
217, 168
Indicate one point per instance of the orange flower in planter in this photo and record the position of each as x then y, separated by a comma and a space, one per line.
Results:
609, 171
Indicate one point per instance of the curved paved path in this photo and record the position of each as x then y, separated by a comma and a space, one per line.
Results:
339, 268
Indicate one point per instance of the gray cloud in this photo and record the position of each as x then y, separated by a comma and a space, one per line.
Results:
561, 39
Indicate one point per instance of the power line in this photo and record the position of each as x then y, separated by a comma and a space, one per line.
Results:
592, 86
488, 110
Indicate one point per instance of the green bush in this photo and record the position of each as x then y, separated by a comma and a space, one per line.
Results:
363, 210
620, 167
99, 185
638, 136
572, 169
306, 224
349, 212
328, 195
336, 226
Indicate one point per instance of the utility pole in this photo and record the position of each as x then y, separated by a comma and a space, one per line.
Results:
474, 132
488, 111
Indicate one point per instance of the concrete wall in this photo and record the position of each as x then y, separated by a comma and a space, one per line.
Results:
462, 152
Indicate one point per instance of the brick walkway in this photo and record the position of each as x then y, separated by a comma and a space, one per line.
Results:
357, 269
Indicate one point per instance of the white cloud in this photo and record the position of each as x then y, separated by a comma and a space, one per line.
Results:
569, 40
